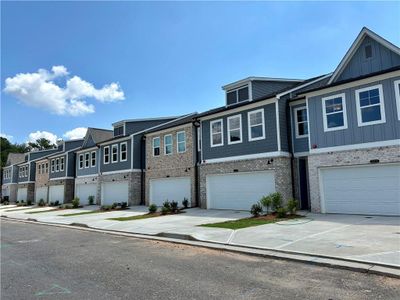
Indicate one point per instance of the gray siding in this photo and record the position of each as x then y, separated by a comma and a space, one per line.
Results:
89, 142
5, 181
32, 173
71, 164
15, 174
133, 127
69, 145
299, 144
264, 88
283, 122
87, 171
39, 154
382, 59
58, 174
389, 130
268, 144
24, 178
117, 166
137, 152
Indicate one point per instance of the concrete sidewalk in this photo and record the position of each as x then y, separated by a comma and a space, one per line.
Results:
359, 238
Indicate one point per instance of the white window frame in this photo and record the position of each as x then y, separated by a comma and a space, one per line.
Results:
381, 106
250, 126
344, 112
236, 90
47, 167
87, 160
229, 129
57, 165
159, 147
296, 122
106, 155
61, 164
177, 141
80, 167
91, 159
52, 164
222, 133
126, 151
165, 144
39, 168
397, 94
114, 146
199, 139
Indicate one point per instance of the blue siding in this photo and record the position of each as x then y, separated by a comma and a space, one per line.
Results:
69, 145
5, 181
265, 88
71, 164
299, 144
268, 144
39, 154
24, 178
354, 134
117, 166
59, 173
283, 122
137, 150
382, 59
15, 174
89, 142
137, 126
87, 171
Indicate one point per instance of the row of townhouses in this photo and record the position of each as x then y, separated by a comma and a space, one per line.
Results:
332, 142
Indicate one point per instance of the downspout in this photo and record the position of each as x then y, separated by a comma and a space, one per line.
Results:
142, 169
196, 125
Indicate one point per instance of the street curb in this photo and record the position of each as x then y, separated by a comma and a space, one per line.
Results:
299, 257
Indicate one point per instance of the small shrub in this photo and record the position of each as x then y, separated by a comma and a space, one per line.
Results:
185, 203
91, 200
167, 206
56, 203
281, 212
41, 202
124, 205
266, 201
106, 207
51, 203
16, 202
75, 202
152, 208
174, 206
5, 202
114, 205
292, 206
256, 209
276, 199
67, 206
164, 210
29, 202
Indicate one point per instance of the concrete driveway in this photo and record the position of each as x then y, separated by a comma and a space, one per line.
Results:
364, 238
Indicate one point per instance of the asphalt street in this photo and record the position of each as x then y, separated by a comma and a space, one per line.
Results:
46, 262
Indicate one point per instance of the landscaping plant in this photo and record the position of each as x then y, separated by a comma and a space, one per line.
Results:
185, 203
91, 200
152, 208
29, 202
167, 206
266, 201
41, 202
281, 212
256, 209
75, 202
276, 199
292, 206
174, 206
124, 205
164, 210
114, 205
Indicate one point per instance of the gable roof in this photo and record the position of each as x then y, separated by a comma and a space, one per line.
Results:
98, 135
15, 158
352, 50
174, 123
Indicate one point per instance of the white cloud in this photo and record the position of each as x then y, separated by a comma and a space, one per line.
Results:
8, 137
39, 90
76, 133
33, 136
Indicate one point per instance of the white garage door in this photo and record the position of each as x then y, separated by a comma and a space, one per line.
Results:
114, 192
56, 193
239, 190
41, 193
369, 190
5, 191
83, 191
22, 194
172, 189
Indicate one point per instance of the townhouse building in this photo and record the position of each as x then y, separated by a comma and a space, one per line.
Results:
9, 188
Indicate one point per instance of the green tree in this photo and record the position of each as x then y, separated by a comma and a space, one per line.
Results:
41, 144
7, 147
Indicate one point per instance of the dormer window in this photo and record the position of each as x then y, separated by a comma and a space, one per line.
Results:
119, 130
237, 95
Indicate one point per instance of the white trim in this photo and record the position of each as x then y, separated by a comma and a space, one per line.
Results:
25, 182
296, 122
278, 127
381, 105
250, 90
131, 151
221, 132
255, 78
249, 156
121, 171
52, 165
159, 146
91, 159
356, 146
61, 178
87, 160
165, 144
301, 154
343, 111
177, 141
57, 169
397, 93
87, 176
117, 140
79, 161
249, 126
62, 164
302, 86
87, 149
141, 120
229, 129
236, 90
169, 130
126, 151
199, 138
298, 102
104, 155
114, 146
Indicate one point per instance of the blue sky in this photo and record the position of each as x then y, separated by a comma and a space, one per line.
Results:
170, 58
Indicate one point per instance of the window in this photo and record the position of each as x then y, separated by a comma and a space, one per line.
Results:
199, 139
114, 153
156, 146
39, 169
397, 93
235, 129
80, 161
119, 130
168, 144
301, 122
87, 160
123, 152
181, 141
106, 157
217, 135
52, 166
334, 112
237, 95
62, 164
93, 159
47, 167
256, 125
26, 171
370, 106
57, 164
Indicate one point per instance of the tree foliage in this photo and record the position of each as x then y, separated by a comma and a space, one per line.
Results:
7, 147
41, 144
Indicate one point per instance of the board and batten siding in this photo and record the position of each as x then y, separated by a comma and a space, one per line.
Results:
265, 88
390, 130
299, 144
268, 144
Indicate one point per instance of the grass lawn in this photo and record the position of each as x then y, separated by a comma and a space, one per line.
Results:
249, 222
42, 211
19, 209
146, 216
84, 213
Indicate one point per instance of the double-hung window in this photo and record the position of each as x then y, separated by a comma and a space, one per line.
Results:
217, 134
181, 141
370, 106
62, 164
237, 95
87, 160
235, 129
93, 158
26, 171
39, 169
123, 151
168, 144
397, 93
256, 125
52, 166
106, 155
334, 112
114, 153
156, 146
57, 164
301, 121
47, 167
80, 161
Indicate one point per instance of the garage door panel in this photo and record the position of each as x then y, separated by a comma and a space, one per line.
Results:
83, 191
22, 194
238, 191
370, 190
56, 193
114, 192
41, 193
172, 189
